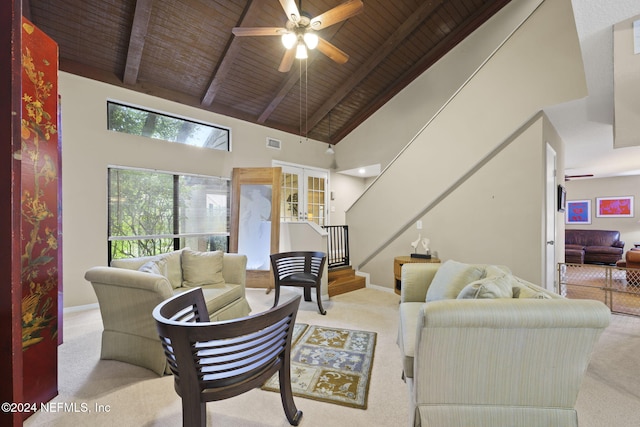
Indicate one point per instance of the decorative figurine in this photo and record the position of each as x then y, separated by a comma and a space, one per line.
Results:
415, 243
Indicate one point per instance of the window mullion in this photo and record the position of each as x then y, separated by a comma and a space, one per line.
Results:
176, 211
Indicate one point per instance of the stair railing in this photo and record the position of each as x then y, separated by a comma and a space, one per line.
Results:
338, 245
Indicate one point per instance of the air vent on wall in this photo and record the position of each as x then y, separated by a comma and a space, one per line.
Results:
274, 143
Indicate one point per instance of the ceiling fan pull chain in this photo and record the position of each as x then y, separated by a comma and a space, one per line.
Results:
306, 94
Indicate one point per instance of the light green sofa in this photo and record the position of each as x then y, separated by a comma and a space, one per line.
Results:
129, 290
489, 359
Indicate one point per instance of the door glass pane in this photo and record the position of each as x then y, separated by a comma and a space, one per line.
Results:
289, 203
315, 200
254, 231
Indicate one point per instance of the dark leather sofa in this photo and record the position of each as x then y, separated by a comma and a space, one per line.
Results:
592, 246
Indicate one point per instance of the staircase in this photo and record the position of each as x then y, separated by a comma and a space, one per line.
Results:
343, 279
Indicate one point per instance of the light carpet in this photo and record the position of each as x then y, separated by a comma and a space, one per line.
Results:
330, 364
134, 396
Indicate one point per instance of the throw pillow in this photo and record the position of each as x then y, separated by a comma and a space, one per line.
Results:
202, 268
490, 287
155, 267
525, 292
450, 278
496, 270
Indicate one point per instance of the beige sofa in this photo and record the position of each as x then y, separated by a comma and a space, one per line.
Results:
129, 290
506, 353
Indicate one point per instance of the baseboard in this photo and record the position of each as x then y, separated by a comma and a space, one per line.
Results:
76, 308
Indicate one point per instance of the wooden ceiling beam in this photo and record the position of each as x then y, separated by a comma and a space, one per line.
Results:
250, 17
442, 48
136, 41
111, 78
407, 27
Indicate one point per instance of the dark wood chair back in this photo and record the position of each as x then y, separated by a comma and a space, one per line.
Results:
218, 360
302, 269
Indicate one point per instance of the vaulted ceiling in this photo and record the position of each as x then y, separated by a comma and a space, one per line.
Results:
185, 51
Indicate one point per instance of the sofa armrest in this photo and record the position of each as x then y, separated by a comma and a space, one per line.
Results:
415, 280
125, 278
126, 299
618, 244
505, 352
234, 269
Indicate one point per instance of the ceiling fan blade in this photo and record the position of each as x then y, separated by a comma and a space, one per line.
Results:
291, 10
331, 51
258, 31
339, 13
287, 61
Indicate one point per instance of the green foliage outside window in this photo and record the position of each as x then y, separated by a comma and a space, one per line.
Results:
153, 212
137, 121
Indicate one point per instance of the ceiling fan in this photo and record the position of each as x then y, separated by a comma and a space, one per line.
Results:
300, 31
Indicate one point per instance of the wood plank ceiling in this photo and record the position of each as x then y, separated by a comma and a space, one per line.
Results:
184, 51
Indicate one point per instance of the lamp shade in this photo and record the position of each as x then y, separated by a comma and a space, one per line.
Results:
289, 40
301, 51
311, 40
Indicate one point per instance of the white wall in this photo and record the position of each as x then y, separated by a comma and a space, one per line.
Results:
345, 190
538, 66
88, 148
392, 127
582, 189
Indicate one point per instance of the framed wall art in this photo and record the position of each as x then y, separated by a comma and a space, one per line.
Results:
562, 198
578, 212
614, 207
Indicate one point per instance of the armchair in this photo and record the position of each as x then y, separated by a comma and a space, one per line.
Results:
218, 360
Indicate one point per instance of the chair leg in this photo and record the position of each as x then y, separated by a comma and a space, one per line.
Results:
286, 395
318, 292
307, 293
277, 296
194, 413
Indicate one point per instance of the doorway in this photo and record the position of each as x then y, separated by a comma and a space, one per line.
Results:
304, 193
550, 219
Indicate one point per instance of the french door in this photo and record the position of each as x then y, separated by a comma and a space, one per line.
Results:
304, 194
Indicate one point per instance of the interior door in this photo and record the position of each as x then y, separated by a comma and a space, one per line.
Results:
550, 221
304, 194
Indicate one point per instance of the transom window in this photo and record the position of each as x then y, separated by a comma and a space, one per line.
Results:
152, 124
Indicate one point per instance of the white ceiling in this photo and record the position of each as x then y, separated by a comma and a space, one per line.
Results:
586, 125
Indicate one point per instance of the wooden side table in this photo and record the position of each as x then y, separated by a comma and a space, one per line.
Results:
399, 261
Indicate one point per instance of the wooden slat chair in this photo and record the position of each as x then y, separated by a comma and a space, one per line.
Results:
218, 360
302, 269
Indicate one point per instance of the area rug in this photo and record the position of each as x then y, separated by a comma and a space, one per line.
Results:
331, 365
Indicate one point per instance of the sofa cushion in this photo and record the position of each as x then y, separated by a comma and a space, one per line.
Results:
451, 277
591, 237
202, 268
491, 270
174, 268
158, 266
603, 250
526, 292
574, 247
490, 287
220, 296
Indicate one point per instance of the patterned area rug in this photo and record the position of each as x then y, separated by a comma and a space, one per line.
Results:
331, 365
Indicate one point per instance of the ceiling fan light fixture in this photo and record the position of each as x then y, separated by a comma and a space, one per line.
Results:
289, 40
311, 40
301, 51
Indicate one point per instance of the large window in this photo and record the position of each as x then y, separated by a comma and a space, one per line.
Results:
154, 212
152, 124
